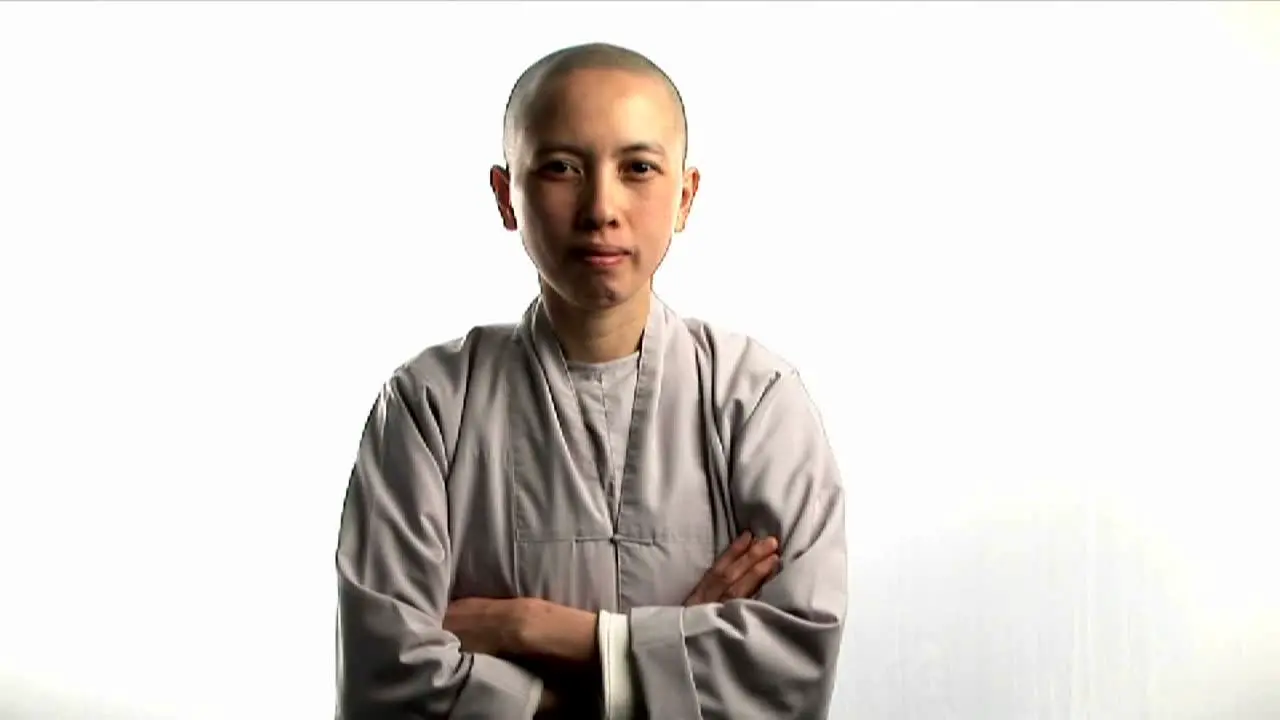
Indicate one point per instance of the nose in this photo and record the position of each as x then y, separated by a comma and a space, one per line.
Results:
599, 204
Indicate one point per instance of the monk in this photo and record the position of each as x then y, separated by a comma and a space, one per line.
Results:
603, 510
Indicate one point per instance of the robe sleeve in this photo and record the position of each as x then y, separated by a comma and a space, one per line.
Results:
773, 656
395, 662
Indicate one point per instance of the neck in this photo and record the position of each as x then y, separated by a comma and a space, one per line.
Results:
597, 336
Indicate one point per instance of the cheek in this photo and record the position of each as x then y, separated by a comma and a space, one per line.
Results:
655, 217
547, 210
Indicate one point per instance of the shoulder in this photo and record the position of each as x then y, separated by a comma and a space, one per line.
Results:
744, 371
759, 396
736, 351
430, 389
443, 371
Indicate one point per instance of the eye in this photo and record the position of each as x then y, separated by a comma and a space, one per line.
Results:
639, 167
556, 168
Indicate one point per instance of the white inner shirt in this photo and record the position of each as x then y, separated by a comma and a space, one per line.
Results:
606, 393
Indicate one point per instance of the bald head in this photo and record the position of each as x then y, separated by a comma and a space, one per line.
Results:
532, 84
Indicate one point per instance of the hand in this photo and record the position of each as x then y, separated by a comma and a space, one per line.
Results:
738, 573
486, 625
549, 705
568, 698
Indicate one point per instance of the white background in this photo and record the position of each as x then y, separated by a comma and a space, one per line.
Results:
1024, 254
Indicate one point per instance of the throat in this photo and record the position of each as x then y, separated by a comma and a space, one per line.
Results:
598, 336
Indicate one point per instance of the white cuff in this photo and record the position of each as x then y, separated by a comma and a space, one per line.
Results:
613, 634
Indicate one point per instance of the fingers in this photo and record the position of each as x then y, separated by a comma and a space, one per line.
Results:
731, 554
701, 592
753, 579
759, 551
714, 580
729, 567
740, 558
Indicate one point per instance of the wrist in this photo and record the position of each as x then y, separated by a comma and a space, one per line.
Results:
522, 627
555, 632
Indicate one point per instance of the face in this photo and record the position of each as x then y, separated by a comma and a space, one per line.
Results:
596, 185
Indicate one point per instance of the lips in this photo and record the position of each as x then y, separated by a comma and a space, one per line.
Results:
600, 251
600, 256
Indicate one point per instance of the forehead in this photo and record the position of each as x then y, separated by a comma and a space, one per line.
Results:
600, 109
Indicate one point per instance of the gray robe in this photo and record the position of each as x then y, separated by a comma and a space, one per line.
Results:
477, 475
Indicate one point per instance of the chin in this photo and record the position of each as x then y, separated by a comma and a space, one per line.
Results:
601, 299
593, 296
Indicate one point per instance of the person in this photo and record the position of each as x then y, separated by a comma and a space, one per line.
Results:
604, 509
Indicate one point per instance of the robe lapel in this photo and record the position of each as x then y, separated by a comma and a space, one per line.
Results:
673, 421
641, 438
557, 490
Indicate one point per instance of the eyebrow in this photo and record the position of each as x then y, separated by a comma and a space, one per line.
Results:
645, 147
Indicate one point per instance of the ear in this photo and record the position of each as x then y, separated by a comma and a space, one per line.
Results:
688, 190
500, 183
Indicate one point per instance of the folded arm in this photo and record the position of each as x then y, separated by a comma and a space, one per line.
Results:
395, 660
774, 655
587, 651
725, 654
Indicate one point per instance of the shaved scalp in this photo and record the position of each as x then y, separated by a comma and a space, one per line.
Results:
592, 56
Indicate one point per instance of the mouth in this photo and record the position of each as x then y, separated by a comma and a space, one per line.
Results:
600, 255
